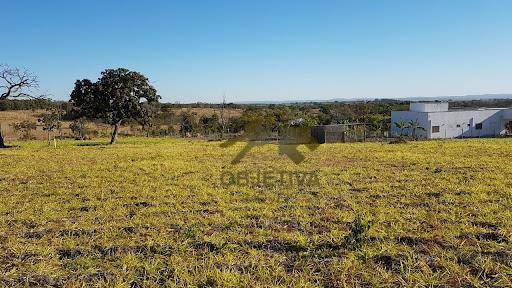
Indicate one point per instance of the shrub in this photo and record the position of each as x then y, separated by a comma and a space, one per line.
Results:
24, 128
358, 230
79, 129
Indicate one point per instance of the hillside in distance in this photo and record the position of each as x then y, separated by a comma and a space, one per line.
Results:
412, 98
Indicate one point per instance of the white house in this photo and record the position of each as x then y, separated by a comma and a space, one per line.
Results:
440, 122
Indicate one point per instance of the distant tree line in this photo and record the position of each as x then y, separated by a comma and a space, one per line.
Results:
277, 118
29, 104
381, 106
124, 97
166, 119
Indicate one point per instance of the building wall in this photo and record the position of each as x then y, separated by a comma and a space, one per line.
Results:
428, 107
453, 124
407, 116
339, 133
318, 133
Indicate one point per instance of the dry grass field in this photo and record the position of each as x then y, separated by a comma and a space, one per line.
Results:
7, 118
156, 212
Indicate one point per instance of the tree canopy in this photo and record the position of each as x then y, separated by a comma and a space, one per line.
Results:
118, 95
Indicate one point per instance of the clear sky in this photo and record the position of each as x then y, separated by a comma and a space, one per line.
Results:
267, 49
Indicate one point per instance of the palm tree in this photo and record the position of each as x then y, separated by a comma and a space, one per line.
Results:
414, 125
508, 126
402, 125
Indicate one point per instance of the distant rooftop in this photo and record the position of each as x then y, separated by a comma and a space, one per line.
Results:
438, 106
428, 106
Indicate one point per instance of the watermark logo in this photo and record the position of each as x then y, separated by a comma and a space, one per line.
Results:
289, 139
268, 178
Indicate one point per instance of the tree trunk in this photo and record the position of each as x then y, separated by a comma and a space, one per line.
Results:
82, 131
115, 133
49, 138
2, 144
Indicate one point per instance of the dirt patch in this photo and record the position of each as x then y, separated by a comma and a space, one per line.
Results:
388, 262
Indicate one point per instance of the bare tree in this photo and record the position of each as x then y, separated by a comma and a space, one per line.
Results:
16, 83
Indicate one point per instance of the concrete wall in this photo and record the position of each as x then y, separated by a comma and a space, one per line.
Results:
408, 116
338, 133
429, 107
454, 124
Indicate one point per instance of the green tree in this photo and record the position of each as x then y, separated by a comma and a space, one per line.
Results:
51, 122
283, 116
210, 124
259, 123
401, 125
414, 126
78, 128
188, 123
376, 122
304, 121
119, 95
235, 125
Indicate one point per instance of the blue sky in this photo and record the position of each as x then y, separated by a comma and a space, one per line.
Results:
267, 50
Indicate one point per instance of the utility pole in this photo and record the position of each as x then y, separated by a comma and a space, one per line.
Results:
222, 118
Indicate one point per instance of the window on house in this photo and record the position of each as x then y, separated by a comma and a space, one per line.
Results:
435, 129
478, 126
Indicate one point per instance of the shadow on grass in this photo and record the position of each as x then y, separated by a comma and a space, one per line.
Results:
9, 147
92, 144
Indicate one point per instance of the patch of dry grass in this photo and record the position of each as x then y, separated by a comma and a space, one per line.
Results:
10, 117
151, 212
